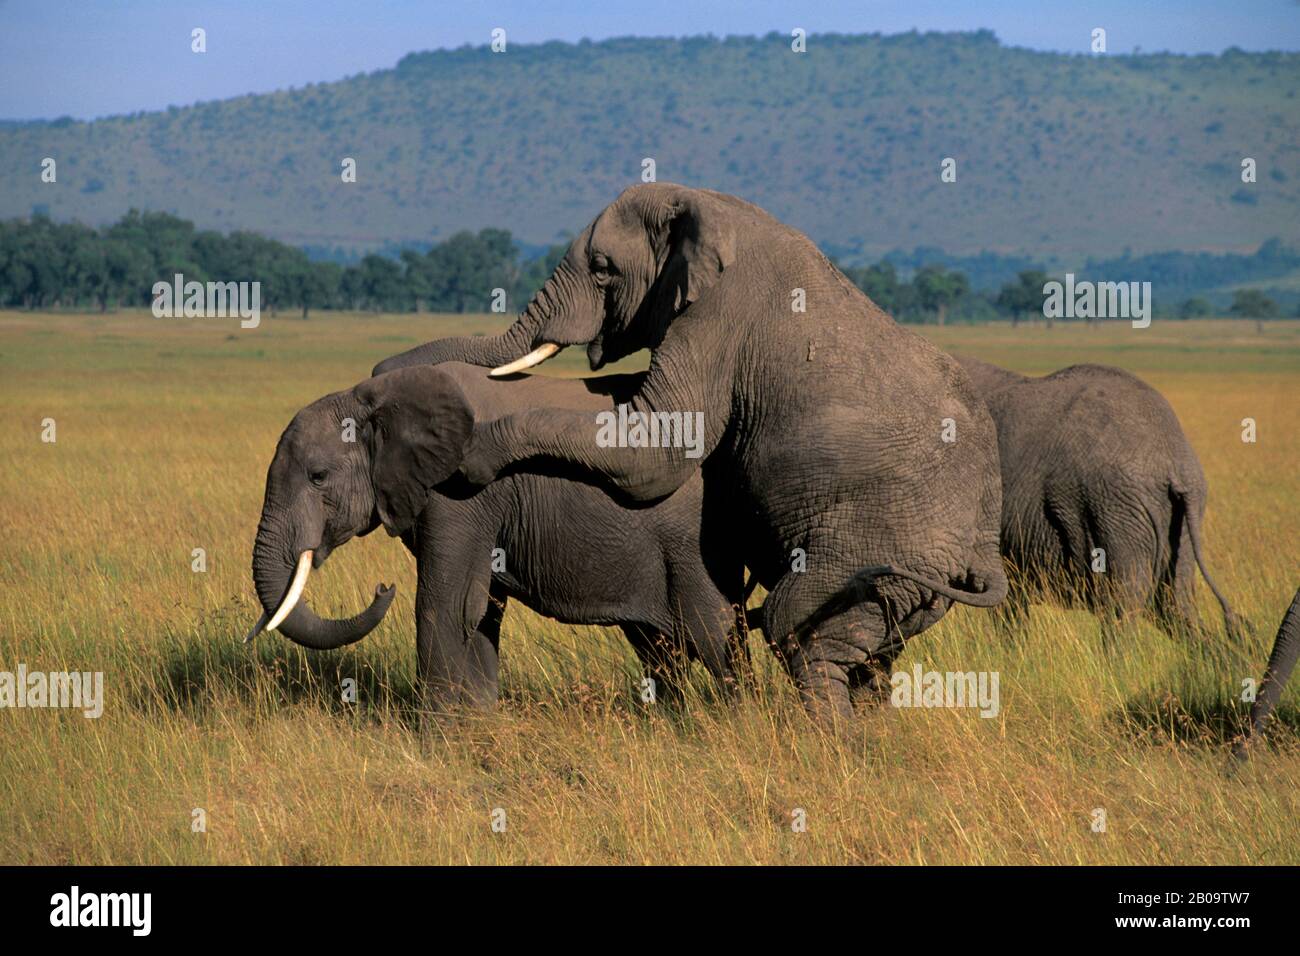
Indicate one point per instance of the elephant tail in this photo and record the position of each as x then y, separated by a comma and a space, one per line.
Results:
1230, 620
990, 595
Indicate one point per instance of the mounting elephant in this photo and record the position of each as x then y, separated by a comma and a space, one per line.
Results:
1102, 495
387, 452
861, 466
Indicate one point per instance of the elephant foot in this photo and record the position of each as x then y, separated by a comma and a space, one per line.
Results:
824, 690
870, 684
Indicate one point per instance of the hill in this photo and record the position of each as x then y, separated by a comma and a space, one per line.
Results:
1058, 156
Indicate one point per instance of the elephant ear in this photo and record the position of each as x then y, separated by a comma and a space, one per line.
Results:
419, 424
699, 243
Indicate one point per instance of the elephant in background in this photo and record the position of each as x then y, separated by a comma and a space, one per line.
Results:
823, 418
1281, 662
1095, 468
567, 548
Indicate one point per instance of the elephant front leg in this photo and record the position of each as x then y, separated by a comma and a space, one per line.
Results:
738, 673
663, 662
458, 666
645, 449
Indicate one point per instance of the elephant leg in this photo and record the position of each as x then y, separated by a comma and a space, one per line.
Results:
740, 666
1121, 592
820, 656
1118, 612
1175, 617
708, 623
1173, 602
870, 684
662, 660
482, 684
457, 662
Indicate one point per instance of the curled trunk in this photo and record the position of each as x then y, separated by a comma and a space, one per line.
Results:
271, 574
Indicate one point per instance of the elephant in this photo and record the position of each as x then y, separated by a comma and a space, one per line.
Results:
827, 421
1281, 662
1102, 496
558, 543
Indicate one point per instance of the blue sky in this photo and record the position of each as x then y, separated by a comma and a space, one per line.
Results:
87, 58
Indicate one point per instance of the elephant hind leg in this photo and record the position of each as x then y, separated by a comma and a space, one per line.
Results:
1120, 584
1176, 615
822, 656
870, 684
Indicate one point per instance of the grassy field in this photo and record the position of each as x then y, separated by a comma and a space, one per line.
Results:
164, 431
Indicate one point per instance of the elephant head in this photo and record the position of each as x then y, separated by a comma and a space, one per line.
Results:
1281, 662
648, 255
346, 464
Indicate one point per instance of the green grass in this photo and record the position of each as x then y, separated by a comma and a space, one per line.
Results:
165, 429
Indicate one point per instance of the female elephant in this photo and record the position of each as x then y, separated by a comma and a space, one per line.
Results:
1102, 494
387, 452
862, 468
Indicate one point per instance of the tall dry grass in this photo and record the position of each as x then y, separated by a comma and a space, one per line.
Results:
164, 432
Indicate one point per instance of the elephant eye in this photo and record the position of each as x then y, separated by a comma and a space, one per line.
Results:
318, 477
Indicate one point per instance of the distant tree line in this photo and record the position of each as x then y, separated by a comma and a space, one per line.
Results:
44, 265
938, 294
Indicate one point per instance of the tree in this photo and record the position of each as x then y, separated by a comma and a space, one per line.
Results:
417, 278
1253, 304
315, 284
937, 289
880, 283
1024, 296
536, 271
1195, 308
381, 282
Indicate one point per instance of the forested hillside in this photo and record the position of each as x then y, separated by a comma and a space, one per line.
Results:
1057, 156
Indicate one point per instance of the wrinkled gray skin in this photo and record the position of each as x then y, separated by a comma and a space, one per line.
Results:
825, 425
1093, 457
571, 551
1286, 650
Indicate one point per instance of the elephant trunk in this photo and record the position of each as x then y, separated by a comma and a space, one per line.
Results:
488, 351
1281, 662
272, 572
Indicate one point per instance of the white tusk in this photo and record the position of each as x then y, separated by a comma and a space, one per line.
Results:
257, 628
536, 357
295, 591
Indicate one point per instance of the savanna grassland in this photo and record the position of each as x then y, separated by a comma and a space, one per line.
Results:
164, 432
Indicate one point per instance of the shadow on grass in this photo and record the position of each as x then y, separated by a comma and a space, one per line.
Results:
197, 672
1201, 711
